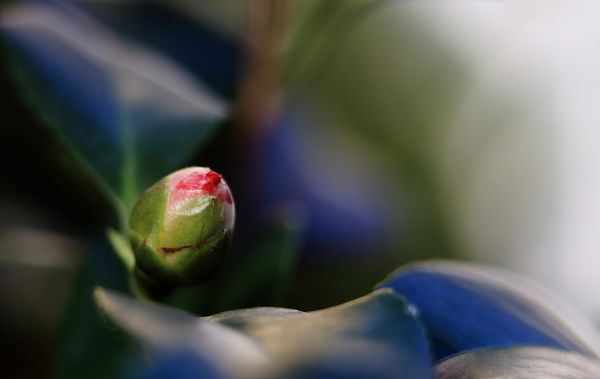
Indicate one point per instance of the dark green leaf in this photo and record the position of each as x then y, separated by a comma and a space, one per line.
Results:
518, 362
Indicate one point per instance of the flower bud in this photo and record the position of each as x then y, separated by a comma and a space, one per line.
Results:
181, 226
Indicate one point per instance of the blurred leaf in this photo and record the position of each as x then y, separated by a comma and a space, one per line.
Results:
518, 362
199, 43
130, 114
340, 189
374, 336
466, 306
321, 32
385, 79
223, 15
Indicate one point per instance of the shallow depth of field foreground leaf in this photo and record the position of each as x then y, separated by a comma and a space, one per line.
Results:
376, 336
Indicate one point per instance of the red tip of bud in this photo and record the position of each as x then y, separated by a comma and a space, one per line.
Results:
207, 182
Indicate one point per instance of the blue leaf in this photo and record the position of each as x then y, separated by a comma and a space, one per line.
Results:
210, 54
129, 112
467, 306
518, 362
345, 210
375, 336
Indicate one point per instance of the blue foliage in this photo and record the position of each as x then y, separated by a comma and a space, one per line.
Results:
80, 79
119, 104
518, 362
77, 90
211, 55
462, 312
349, 217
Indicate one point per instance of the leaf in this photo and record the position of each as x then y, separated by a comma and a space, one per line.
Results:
340, 191
376, 336
189, 33
130, 114
321, 32
466, 306
518, 362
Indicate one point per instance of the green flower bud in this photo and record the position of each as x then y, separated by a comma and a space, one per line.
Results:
181, 226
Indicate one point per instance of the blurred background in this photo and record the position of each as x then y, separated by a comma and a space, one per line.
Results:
356, 135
